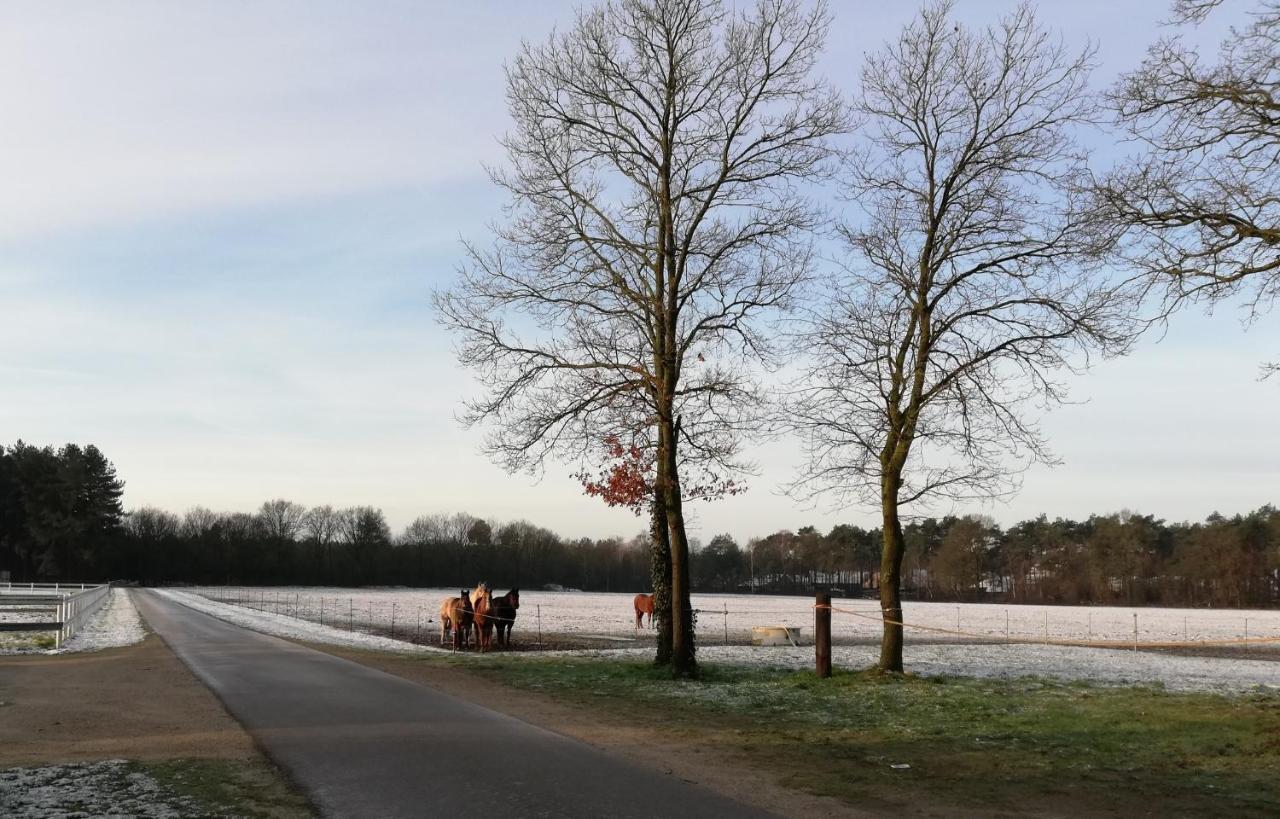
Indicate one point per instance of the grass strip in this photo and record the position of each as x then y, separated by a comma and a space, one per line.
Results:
1026, 745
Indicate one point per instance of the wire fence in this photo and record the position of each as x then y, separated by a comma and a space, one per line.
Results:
1136, 643
414, 617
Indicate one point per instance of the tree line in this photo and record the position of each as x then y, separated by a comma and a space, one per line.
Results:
1116, 559
61, 519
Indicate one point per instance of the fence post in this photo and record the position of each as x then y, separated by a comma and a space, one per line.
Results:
539, 625
822, 633
1135, 631
393, 619
726, 623
1006, 625
351, 614
1246, 635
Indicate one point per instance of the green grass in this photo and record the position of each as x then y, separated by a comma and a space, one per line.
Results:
1024, 745
242, 788
26, 640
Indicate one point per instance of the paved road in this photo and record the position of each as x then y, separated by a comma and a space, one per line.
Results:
364, 743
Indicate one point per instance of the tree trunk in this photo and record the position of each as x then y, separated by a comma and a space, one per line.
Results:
660, 570
683, 663
890, 576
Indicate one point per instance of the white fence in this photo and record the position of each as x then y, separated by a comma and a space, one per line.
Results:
59, 607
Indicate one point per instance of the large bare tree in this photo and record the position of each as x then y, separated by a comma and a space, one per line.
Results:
969, 279
1200, 205
656, 172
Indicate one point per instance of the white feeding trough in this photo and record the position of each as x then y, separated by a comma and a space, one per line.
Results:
776, 635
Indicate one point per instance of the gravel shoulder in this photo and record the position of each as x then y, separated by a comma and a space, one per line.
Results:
135, 702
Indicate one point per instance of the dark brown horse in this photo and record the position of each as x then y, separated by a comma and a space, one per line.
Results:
457, 614
644, 605
503, 613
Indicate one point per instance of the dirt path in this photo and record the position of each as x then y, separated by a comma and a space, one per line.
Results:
138, 702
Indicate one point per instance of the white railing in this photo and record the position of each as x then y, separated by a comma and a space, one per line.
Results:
43, 588
69, 605
76, 608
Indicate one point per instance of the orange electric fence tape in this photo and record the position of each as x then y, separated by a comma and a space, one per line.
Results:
1129, 644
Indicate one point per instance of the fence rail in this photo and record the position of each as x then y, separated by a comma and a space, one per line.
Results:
69, 604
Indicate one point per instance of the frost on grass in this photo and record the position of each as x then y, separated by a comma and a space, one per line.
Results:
294, 628
114, 787
115, 624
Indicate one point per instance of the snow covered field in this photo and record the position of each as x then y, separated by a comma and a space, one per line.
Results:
611, 615
608, 617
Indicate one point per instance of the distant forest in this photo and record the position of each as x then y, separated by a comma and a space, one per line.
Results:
62, 519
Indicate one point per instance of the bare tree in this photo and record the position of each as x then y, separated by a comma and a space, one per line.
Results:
281, 519
199, 521
656, 217
321, 525
970, 278
1200, 206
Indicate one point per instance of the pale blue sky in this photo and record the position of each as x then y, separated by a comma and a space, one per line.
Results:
220, 224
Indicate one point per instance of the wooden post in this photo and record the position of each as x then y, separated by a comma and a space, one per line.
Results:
822, 633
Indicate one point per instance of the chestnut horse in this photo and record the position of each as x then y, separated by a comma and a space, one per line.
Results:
482, 604
503, 615
644, 605
456, 614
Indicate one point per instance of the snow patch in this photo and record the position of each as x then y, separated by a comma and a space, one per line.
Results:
110, 788
294, 628
115, 624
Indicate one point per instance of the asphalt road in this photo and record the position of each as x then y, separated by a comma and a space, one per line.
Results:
363, 743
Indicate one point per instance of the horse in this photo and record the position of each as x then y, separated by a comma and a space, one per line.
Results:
456, 613
482, 604
644, 605
503, 614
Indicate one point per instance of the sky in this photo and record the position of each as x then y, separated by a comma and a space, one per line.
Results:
221, 223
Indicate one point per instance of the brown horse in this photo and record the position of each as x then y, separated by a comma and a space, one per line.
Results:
503, 614
482, 604
644, 605
456, 613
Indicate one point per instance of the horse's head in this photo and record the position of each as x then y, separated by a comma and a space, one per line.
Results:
466, 600
514, 597
481, 593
